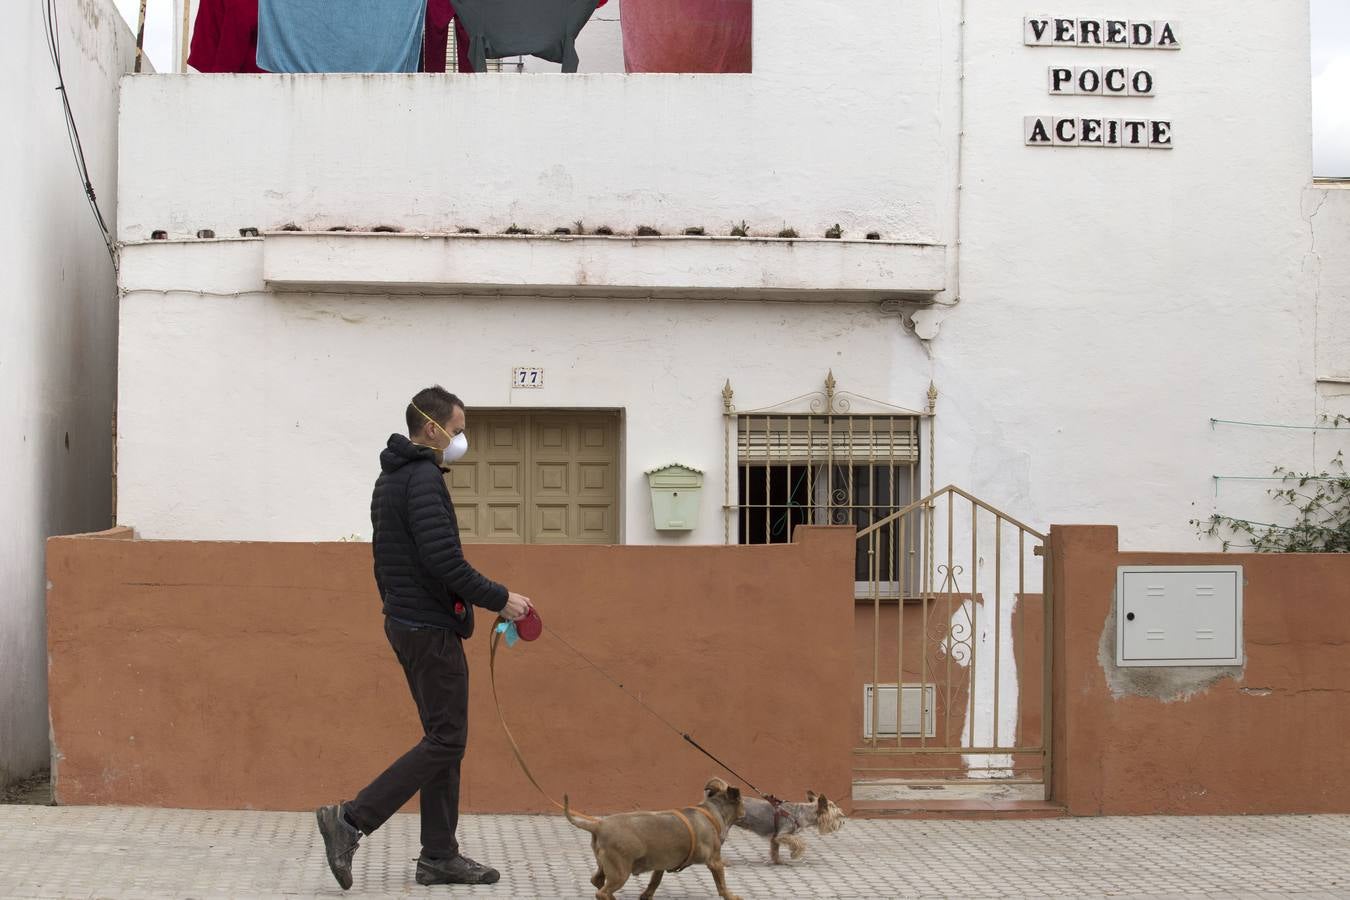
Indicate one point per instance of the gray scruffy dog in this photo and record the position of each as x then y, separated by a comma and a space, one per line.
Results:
781, 825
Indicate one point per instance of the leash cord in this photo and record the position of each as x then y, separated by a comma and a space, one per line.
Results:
492, 675
515, 748
684, 734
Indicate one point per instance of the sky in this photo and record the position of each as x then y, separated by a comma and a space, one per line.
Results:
1330, 72
1331, 87
158, 29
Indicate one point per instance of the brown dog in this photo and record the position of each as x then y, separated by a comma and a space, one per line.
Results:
658, 842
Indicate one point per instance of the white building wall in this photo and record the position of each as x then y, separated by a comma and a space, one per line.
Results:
58, 364
1114, 301
1329, 211
283, 401
1109, 302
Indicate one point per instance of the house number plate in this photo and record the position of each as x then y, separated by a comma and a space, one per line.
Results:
527, 377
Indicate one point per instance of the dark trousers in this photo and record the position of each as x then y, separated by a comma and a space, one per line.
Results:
438, 676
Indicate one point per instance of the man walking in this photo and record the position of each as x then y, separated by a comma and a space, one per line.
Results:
429, 591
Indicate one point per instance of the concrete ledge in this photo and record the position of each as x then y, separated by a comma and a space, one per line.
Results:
116, 533
545, 265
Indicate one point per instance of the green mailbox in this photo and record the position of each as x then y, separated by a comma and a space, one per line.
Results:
675, 495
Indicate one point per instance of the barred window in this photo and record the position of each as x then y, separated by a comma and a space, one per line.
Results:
815, 469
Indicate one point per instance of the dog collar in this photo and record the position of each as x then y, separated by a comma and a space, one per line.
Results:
716, 823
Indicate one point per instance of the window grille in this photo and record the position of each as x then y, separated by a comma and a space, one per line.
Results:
827, 465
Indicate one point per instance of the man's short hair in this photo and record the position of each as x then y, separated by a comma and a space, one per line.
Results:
436, 402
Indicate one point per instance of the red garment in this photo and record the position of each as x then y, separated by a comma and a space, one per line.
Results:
225, 37
437, 37
687, 35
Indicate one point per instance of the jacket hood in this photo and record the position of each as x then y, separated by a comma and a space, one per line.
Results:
400, 451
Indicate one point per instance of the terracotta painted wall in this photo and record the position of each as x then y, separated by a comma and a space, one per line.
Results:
1029, 629
256, 675
1270, 739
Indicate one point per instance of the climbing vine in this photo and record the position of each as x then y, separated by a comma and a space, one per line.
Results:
1320, 508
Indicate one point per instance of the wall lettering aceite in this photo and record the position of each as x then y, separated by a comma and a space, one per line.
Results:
1068, 131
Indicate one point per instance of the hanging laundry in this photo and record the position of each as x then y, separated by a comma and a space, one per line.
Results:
547, 29
340, 35
687, 35
440, 19
225, 36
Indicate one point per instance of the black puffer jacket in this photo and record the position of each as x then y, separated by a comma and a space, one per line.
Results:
419, 563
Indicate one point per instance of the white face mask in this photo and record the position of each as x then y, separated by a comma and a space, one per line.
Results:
459, 445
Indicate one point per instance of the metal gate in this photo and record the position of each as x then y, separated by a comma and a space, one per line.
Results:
959, 681
951, 595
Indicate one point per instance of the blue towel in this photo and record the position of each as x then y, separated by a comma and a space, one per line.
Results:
340, 35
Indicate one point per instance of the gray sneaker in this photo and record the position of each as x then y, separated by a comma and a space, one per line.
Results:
339, 842
460, 870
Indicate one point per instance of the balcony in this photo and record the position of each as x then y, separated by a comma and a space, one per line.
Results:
428, 156
870, 150
683, 267
553, 265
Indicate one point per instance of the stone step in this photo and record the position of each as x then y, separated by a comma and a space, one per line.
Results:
912, 790
957, 809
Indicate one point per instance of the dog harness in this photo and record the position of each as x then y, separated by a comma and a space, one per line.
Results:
693, 839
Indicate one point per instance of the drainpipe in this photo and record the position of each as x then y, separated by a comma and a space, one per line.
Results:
113, 523
960, 150
923, 322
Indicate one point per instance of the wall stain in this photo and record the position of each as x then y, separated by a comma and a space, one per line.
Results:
1166, 683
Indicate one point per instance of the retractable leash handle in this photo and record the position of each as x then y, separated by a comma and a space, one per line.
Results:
527, 628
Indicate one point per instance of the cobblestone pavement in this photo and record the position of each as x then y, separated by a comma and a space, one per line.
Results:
64, 852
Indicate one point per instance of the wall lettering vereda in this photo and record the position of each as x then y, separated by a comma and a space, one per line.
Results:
1113, 34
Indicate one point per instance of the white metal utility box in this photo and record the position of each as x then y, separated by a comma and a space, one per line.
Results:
1179, 616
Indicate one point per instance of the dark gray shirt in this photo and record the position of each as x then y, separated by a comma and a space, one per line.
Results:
547, 29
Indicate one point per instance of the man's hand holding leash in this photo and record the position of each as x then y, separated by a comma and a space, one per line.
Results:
517, 605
